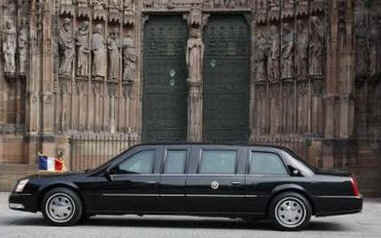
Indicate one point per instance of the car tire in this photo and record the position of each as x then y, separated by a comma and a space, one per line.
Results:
290, 211
62, 207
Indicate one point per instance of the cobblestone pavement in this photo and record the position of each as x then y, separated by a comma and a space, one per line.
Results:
19, 224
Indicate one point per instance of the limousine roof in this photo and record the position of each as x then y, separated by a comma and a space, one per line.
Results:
216, 144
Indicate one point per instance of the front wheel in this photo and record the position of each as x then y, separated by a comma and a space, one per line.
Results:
62, 207
290, 211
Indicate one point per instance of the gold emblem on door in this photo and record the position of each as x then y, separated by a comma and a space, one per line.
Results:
214, 185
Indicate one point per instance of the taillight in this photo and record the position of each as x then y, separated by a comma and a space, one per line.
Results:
355, 187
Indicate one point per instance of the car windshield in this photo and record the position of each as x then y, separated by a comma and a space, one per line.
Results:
108, 163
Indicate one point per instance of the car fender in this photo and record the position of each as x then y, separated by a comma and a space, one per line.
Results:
291, 186
54, 184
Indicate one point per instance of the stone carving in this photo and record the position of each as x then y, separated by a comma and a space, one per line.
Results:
195, 55
129, 59
287, 52
362, 47
98, 48
82, 3
195, 17
261, 57
99, 4
226, 3
82, 42
273, 59
113, 46
115, 3
375, 46
316, 47
67, 44
261, 10
148, 3
23, 45
9, 47
302, 49
128, 5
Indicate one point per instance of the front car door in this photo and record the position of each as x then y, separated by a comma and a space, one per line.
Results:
134, 182
215, 183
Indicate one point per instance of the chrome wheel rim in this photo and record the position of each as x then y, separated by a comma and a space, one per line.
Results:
60, 208
290, 212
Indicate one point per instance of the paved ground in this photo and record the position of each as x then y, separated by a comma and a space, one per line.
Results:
29, 225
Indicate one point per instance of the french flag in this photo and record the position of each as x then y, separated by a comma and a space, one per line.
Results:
50, 164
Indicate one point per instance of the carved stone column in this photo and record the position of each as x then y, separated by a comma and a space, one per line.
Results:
195, 112
46, 94
194, 59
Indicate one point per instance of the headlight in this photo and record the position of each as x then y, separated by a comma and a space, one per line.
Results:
20, 186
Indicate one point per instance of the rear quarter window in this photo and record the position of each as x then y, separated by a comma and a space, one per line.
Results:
266, 164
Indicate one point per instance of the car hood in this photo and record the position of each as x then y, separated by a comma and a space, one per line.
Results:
333, 172
52, 175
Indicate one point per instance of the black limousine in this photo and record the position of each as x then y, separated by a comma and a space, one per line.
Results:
252, 181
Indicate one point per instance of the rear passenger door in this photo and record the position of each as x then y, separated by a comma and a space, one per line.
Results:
172, 178
215, 183
265, 170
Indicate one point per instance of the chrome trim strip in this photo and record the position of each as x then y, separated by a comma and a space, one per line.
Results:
176, 195
128, 195
343, 196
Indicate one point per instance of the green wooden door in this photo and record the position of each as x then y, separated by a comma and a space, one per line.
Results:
226, 79
164, 85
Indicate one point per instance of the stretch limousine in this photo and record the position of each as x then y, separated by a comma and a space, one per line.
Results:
240, 181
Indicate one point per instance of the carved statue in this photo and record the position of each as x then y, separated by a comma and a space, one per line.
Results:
128, 4
82, 41
316, 47
148, 3
23, 44
362, 48
129, 59
287, 52
99, 52
113, 46
375, 47
273, 64
99, 4
9, 47
114, 3
195, 55
261, 58
302, 49
82, 3
66, 43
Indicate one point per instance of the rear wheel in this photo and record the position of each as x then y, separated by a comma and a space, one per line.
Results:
62, 207
290, 211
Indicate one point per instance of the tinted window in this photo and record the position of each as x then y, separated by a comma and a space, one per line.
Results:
141, 163
218, 162
266, 163
175, 163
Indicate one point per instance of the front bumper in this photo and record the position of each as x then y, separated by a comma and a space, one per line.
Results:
22, 202
338, 205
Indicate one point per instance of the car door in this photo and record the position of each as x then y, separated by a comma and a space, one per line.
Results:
265, 170
133, 184
215, 183
173, 177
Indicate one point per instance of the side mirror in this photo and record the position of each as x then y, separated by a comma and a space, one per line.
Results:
107, 174
296, 172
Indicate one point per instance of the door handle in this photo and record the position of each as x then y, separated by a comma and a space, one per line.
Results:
236, 183
152, 182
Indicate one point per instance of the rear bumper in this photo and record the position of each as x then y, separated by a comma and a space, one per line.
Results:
22, 202
338, 205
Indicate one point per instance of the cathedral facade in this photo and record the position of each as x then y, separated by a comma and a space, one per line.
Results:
86, 79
